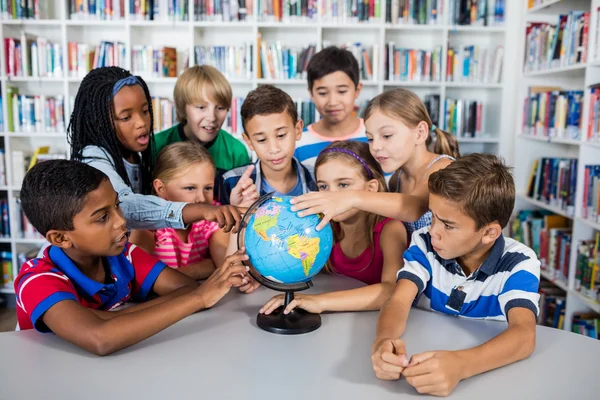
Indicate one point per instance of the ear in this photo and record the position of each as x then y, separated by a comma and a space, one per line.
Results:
160, 188
299, 127
358, 90
422, 132
247, 140
59, 239
491, 232
372, 185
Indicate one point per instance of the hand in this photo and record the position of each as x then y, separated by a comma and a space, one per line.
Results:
307, 302
228, 217
244, 193
231, 273
330, 204
251, 286
389, 358
434, 372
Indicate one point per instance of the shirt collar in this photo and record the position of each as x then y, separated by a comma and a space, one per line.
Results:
493, 259
295, 164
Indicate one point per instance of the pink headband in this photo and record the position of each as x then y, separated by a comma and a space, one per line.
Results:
353, 154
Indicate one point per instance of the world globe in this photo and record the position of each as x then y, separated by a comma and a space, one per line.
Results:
285, 252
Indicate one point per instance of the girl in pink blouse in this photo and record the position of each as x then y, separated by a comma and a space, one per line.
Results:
367, 247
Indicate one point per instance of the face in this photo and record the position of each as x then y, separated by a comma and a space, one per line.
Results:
132, 118
391, 142
273, 137
453, 233
337, 175
194, 184
334, 96
99, 228
204, 119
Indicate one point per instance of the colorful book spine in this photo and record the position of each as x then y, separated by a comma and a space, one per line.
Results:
349, 11
100, 9
477, 12
33, 56
20, 9
367, 58
591, 193
82, 58
233, 61
7, 269
553, 113
35, 113
223, 10
412, 65
159, 10
414, 12
148, 61
587, 278
473, 64
464, 118
586, 323
554, 181
281, 62
287, 10
164, 114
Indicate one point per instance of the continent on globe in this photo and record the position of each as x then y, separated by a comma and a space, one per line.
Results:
265, 219
305, 249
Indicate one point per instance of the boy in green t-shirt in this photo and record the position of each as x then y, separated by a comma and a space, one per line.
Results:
202, 100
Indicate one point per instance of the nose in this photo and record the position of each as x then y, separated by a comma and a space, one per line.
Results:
375, 145
200, 197
434, 231
120, 221
273, 147
140, 121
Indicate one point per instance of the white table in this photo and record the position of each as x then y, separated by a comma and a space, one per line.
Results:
222, 354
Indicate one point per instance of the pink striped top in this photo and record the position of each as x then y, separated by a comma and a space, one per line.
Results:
176, 253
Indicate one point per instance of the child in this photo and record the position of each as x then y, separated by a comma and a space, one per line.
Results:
399, 133
367, 247
271, 129
463, 266
111, 130
333, 85
90, 269
186, 172
202, 100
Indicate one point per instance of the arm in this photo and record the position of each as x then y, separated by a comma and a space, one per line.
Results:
438, 372
371, 297
144, 239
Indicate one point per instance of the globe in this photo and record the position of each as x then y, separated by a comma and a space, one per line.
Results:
285, 252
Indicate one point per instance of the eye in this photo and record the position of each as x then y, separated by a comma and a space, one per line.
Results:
343, 185
189, 188
103, 218
146, 111
281, 136
200, 107
221, 109
369, 139
448, 227
322, 93
342, 91
261, 140
125, 119
387, 136
322, 187
208, 188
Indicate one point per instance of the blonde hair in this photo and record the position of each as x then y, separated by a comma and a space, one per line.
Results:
361, 149
193, 82
178, 156
408, 107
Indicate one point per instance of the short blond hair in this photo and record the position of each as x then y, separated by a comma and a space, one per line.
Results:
191, 84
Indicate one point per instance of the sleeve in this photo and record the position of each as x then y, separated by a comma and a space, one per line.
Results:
140, 211
39, 291
221, 194
241, 156
521, 287
417, 267
230, 179
146, 268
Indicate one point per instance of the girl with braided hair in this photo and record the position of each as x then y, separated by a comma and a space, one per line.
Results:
111, 129
367, 247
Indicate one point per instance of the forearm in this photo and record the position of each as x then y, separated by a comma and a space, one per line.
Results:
362, 299
392, 319
199, 270
192, 212
398, 206
512, 345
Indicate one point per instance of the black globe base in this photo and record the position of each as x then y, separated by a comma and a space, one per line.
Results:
298, 321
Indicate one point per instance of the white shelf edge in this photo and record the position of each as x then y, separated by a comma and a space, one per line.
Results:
591, 143
37, 135
29, 241
474, 85
546, 4
475, 29
556, 282
590, 223
478, 140
568, 142
591, 303
554, 71
545, 206
413, 83
7, 290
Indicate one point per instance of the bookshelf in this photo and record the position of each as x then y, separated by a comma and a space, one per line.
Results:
58, 26
528, 147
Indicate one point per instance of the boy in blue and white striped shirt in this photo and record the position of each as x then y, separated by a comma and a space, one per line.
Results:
463, 266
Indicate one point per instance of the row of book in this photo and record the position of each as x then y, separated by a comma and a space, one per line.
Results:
37, 113
474, 64
464, 118
154, 62
554, 181
101, 9
549, 236
591, 193
24, 228
158, 10
555, 46
22, 161
477, 12
2, 168
412, 64
349, 11
232, 61
4, 219
280, 62
587, 324
593, 128
552, 112
33, 56
366, 58
222, 10
553, 301
415, 12
22, 10
7, 269
297, 10
587, 273
83, 58
163, 112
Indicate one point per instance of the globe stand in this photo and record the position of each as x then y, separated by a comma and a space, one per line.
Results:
298, 321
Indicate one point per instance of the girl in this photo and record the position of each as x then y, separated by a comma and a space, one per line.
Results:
185, 172
399, 134
111, 130
367, 247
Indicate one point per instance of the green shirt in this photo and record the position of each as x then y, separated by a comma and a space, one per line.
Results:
227, 151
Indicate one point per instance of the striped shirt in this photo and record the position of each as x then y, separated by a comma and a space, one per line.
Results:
508, 278
176, 253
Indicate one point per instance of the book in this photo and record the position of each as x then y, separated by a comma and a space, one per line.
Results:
148, 61
366, 57
223, 10
232, 61
82, 58
553, 113
471, 63
33, 56
587, 279
591, 193
464, 118
13, 9
290, 11
555, 182
586, 323
416, 12
412, 65
281, 62
34, 113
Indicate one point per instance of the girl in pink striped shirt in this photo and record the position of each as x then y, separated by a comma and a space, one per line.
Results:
185, 172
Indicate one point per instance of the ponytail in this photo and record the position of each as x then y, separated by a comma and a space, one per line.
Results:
443, 143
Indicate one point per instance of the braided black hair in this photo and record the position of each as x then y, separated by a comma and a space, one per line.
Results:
92, 122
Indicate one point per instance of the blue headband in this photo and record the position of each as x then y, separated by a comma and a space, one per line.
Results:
129, 81
353, 154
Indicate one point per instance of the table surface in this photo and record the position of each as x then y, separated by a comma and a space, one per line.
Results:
222, 354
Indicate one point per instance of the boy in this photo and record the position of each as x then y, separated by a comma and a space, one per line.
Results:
202, 100
333, 85
271, 129
462, 265
90, 268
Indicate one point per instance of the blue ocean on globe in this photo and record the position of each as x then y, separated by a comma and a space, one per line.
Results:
284, 247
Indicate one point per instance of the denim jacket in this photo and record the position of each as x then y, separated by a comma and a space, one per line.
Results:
140, 211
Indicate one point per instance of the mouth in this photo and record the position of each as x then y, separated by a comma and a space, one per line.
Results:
436, 249
209, 129
381, 160
333, 112
278, 161
121, 240
143, 139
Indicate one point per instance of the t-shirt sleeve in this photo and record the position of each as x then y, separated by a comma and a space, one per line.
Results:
417, 267
521, 287
146, 268
37, 292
